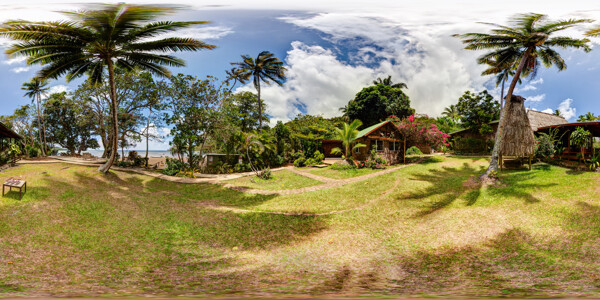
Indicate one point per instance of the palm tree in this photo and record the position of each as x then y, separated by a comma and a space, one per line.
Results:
348, 135
235, 75
588, 117
503, 68
265, 68
388, 81
97, 40
451, 112
530, 39
557, 113
34, 90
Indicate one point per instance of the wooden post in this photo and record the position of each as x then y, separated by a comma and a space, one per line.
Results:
501, 162
530, 162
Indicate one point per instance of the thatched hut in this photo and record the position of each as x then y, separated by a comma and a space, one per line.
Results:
518, 140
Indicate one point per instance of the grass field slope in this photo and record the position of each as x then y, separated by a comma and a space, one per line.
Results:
421, 230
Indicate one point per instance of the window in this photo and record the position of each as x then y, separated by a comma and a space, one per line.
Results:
393, 146
357, 150
379, 145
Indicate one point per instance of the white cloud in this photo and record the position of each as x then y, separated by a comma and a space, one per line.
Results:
536, 98
17, 60
566, 110
548, 111
201, 32
155, 144
537, 81
19, 69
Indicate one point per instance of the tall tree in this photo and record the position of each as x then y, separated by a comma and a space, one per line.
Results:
531, 37
452, 112
388, 81
348, 134
477, 111
265, 68
376, 103
34, 90
97, 40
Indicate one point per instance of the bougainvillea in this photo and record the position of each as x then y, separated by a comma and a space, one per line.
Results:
417, 133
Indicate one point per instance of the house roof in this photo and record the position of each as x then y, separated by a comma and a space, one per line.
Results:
6, 132
370, 129
538, 119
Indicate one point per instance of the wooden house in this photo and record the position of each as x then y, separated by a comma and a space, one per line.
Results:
563, 134
384, 137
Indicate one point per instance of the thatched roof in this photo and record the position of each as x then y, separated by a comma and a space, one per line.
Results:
539, 119
518, 139
5, 132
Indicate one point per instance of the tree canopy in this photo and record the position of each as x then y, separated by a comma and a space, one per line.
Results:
376, 103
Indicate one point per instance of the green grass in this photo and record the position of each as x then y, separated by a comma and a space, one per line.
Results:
422, 230
281, 180
341, 174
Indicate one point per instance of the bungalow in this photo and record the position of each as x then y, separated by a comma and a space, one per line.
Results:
563, 133
384, 137
470, 141
6, 135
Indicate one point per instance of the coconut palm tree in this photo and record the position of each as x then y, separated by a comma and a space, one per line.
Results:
451, 112
94, 41
348, 135
265, 68
503, 68
588, 117
34, 89
530, 36
388, 81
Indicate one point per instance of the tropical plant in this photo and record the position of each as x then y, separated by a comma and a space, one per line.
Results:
588, 117
265, 68
594, 162
97, 40
252, 142
581, 139
530, 38
503, 66
34, 90
348, 135
477, 111
452, 112
557, 113
388, 81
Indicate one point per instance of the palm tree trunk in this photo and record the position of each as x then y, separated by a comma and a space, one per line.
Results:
44, 130
115, 139
147, 135
493, 168
40, 125
259, 109
502, 94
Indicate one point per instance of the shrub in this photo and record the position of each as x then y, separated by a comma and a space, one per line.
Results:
124, 164
343, 166
318, 157
414, 150
173, 167
265, 174
300, 162
33, 151
545, 146
375, 161
135, 159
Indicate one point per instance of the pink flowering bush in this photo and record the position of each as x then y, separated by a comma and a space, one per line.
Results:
417, 133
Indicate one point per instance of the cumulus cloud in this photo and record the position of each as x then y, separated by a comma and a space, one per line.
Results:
433, 65
19, 69
536, 98
201, 32
566, 110
12, 61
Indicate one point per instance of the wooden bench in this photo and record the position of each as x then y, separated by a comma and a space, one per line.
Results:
15, 183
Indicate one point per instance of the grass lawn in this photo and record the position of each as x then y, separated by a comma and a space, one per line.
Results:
341, 174
422, 230
281, 180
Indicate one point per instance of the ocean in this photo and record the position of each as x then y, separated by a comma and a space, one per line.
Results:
151, 153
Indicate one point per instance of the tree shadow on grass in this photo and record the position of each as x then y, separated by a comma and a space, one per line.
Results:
446, 185
450, 183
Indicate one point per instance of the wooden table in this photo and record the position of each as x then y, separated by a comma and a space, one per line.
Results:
17, 184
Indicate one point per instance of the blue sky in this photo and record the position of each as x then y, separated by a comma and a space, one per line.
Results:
332, 49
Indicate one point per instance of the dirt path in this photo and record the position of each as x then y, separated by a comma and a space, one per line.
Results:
329, 184
334, 212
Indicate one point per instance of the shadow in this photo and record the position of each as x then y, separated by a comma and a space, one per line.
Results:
514, 184
445, 186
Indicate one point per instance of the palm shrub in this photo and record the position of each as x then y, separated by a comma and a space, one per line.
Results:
95, 41
580, 138
348, 135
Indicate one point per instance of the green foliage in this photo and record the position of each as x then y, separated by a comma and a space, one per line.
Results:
343, 166
477, 110
33, 151
472, 145
581, 139
545, 146
413, 151
375, 103
265, 174
594, 162
300, 162
174, 166
348, 135
588, 117
375, 161
69, 124
135, 159
245, 110
307, 132
265, 68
